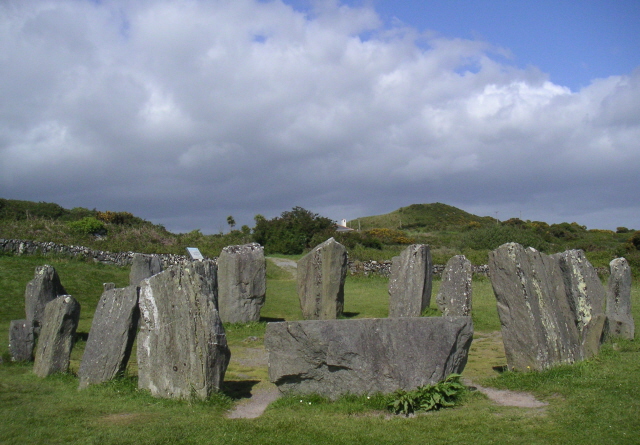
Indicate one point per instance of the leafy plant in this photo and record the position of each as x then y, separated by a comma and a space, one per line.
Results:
88, 226
428, 397
122, 218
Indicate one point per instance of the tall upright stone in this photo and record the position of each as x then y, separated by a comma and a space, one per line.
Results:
143, 266
56, 338
410, 282
366, 356
455, 295
538, 327
182, 346
111, 337
21, 340
321, 274
619, 319
242, 283
44, 288
586, 296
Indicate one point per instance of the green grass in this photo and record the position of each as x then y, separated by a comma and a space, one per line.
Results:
597, 401
436, 216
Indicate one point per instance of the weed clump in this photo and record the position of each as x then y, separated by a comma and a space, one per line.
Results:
428, 397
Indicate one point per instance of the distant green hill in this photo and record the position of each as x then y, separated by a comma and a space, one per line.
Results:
424, 217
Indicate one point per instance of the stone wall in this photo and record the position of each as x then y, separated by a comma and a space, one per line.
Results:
23, 247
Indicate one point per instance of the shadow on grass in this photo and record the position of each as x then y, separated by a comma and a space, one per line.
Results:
350, 314
271, 320
500, 369
239, 389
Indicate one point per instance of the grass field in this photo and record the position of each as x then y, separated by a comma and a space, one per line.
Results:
597, 401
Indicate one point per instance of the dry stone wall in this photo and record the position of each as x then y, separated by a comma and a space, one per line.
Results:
24, 247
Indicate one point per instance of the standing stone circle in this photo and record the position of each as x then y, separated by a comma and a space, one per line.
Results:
455, 295
111, 337
21, 340
538, 325
619, 319
44, 287
410, 282
586, 296
242, 283
182, 346
56, 338
321, 274
365, 356
143, 266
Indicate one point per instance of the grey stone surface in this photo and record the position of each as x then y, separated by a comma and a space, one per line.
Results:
44, 288
455, 295
410, 282
242, 283
56, 338
619, 319
143, 266
21, 340
111, 337
586, 296
321, 274
364, 356
182, 346
108, 286
538, 326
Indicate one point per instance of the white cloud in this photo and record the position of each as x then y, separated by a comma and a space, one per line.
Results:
243, 107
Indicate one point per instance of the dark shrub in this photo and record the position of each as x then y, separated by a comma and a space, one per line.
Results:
292, 232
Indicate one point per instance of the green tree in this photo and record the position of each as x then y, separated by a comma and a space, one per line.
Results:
291, 232
231, 222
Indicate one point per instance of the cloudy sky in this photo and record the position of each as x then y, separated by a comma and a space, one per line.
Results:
184, 112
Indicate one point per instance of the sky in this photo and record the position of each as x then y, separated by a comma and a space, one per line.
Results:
184, 112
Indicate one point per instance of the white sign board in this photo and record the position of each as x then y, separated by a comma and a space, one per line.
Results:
194, 253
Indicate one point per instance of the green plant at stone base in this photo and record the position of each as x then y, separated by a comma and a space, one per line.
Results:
428, 397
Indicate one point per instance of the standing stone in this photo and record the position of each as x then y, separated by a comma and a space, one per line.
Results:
108, 286
321, 275
21, 340
242, 283
143, 266
410, 282
182, 347
57, 336
455, 293
586, 296
538, 327
366, 356
619, 319
44, 288
111, 336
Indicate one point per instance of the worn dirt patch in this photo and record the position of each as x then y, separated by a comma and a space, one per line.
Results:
505, 397
486, 356
261, 396
289, 265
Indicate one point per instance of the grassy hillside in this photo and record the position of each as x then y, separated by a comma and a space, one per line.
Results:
422, 217
451, 231
104, 230
448, 230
